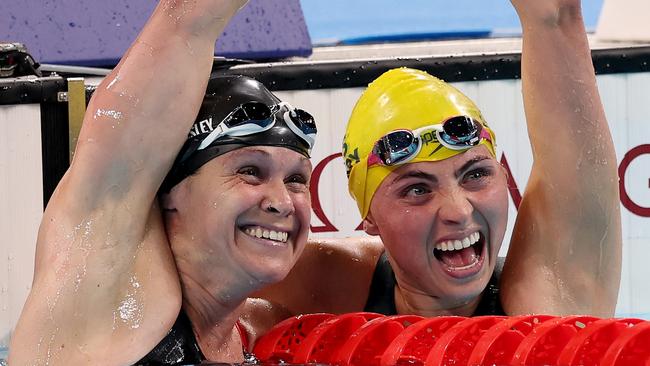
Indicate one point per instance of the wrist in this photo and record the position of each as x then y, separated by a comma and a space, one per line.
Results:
550, 14
198, 19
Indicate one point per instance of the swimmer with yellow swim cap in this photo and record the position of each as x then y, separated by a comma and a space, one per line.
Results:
407, 116
422, 167
424, 173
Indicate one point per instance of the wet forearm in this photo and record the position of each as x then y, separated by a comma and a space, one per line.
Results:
569, 219
562, 103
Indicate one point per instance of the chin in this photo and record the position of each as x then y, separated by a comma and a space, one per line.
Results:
470, 291
462, 293
268, 273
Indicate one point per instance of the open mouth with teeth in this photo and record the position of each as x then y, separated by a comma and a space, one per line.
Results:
263, 233
462, 257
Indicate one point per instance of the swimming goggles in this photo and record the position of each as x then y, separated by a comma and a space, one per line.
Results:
401, 146
255, 117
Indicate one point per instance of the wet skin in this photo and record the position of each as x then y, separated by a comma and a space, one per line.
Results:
432, 202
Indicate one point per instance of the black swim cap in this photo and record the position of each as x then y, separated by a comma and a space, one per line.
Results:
225, 94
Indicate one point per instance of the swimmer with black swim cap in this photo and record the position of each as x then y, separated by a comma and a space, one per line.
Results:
126, 261
245, 133
247, 115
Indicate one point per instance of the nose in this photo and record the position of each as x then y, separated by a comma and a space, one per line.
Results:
455, 209
277, 200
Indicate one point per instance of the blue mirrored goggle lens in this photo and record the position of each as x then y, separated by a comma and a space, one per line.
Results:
460, 131
396, 147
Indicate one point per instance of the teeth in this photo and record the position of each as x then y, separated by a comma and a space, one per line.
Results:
466, 243
259, 232
459, 244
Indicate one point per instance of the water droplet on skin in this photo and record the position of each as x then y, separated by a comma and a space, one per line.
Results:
116, 115
189, 47
112, 83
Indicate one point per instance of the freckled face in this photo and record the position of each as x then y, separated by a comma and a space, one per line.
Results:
249, 210
442, 223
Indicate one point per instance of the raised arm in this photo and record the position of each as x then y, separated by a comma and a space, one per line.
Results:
565, 254
105, 287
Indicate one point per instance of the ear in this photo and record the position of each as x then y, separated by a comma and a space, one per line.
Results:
170, 201
369, 225
167, 202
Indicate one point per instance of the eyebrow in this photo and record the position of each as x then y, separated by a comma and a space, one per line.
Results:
469, 163
251, 150
239, 152
430, 177
415, 174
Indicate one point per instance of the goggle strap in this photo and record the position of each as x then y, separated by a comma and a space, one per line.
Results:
373, 159
216, 133
486, 135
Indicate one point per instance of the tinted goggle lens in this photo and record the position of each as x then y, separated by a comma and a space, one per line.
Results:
304, 121
396, 147
460, 131
250, 112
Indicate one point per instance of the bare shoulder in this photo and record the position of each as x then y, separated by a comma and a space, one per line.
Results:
362, 250
332, 275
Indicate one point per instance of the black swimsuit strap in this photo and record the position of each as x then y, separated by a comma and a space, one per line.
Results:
179, 347
381, 297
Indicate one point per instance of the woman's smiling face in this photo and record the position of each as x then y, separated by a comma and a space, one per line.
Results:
248, 210
442, 224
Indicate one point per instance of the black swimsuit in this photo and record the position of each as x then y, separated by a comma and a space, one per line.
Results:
381, 298
179, 347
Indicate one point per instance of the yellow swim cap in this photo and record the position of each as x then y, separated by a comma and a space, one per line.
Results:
400, 98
